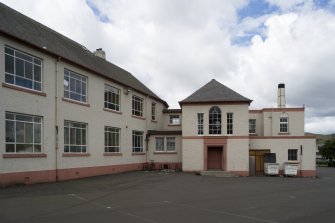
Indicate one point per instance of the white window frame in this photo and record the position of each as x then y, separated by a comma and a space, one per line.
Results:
230, 123
26, 59
74, 146
252, 126
214, 121
153, 111
112, 98
170, 144
137, 141
200, 117
160, 144
137, 106
174, 120
77, 79
291, 154
37, 125
112, 139
283, 124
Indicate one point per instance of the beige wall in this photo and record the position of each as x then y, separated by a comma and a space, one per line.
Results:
238, 155
281, 146
166, 122
259, 122
193, 154
165, 157
240, 119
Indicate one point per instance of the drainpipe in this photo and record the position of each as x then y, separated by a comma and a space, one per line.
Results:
146, 128
57, 115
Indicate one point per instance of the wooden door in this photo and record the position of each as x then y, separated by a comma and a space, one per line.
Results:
258, 157
214, 158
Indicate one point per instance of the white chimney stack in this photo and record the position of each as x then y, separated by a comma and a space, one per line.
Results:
281, 96
100, 53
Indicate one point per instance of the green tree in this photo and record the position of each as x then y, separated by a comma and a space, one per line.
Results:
328, 150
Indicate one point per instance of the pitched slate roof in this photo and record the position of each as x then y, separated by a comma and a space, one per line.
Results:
17, 26
215, 92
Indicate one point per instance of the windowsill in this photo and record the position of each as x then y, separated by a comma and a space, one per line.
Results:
112, 111
174, 125
24, 155
137, 153
112, 154
138, 117
283, 133
154, 121
293, 162
75, 154
164, 152
15, 87
252, 134
76, 102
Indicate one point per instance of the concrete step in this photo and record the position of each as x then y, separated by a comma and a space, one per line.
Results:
217, 173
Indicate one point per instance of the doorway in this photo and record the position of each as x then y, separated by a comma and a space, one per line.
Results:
215, 158
256, 162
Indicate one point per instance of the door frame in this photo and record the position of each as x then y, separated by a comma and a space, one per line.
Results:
221, 153
212, 141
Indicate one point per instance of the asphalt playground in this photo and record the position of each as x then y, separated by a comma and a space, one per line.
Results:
173, 197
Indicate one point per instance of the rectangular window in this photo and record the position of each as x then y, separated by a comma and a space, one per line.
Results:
137, 108
200, 123
159, 144
112, 98
252, 126
293, 154
170, 144
153, 111
75, 86
137, 141
23, 133
112, 140
75, 134
283, 125
229, 123
22, 69
174, 120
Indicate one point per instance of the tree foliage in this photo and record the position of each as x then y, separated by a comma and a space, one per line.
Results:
328, 150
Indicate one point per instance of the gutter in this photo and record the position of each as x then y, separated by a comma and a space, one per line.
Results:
57, 115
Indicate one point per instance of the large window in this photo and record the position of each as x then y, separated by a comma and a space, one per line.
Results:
174, 120
75, 134
283, 125
22, 69
293, 154
252, 126
153, 111
170, 144
112, 98
214, 121
200, 123
137, 141
159, 144
137, 108
23, 133
75, 86
230, 128
112, 140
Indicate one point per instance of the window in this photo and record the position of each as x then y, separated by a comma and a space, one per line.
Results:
22, 69
174, 120
200, 123
153, 111
293, 154
137, 141
75, 86
252, 126
229, 123
214, 121
137, 106
283, 125
112, 140
75, 137
23, 133
159, 143
170, 144
112, 98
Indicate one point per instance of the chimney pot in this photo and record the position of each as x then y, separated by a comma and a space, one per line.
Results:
100, 53
281, 96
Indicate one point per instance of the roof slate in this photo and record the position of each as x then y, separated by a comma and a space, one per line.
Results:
214, 91
21, 27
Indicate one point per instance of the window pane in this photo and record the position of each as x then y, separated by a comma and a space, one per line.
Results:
66, 136
9, 51
24, 118
19, 67
28, 68
24, 148
10, 131
37, 148
9, 64
37, 73
9, 79
37, 133
9, 116
72, 136
10, 148
23, 56
78, 137
28, 133
83, 136
37, 61
20, 132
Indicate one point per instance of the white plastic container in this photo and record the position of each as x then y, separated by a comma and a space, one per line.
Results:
271, 169
291, 169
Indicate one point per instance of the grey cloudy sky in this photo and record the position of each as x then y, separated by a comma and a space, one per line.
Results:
176, 46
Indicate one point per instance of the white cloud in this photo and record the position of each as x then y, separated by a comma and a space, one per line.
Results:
177, 46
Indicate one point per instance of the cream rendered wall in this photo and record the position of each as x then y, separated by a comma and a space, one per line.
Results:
259, 123
193, 154
296, 123
240, 119
26, 103
166, 122
238, 155
165, 158
281, 146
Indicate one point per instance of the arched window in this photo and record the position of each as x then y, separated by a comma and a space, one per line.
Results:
214, 121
